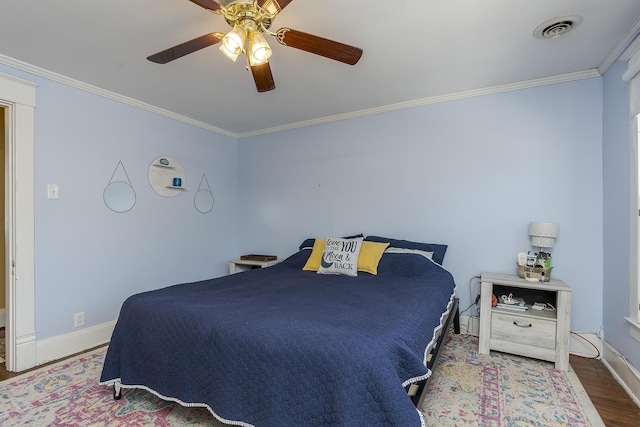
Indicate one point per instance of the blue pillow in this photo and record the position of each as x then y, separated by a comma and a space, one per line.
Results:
437, 249
308, 243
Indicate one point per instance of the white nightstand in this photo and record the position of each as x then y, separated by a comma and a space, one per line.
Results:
239, 265
540, 334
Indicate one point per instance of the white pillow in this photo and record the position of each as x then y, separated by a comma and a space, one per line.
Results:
428, 255
340, 256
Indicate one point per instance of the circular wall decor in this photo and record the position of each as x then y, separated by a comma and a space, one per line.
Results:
166, 176
203, 200
119, 196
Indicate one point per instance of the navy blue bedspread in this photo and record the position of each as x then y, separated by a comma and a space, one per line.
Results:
284, 347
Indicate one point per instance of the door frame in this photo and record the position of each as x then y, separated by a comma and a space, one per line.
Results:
18, 97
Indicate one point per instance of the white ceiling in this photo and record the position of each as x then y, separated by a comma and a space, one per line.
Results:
413, 50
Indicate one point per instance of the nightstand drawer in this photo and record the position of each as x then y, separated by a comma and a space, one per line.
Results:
520, 329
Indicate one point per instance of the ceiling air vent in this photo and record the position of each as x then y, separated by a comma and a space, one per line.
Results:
557, 26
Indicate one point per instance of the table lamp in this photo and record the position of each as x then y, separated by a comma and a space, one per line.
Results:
543, 234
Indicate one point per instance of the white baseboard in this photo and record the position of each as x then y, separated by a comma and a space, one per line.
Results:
3, 319
25, 353
623, 372
65, 345
471, 325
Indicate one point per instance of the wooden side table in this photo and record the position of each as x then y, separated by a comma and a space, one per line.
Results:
540, 334
239, 265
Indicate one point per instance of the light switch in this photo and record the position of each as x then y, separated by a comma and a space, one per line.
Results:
52, 191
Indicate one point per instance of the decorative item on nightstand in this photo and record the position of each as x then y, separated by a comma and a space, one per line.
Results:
543, 235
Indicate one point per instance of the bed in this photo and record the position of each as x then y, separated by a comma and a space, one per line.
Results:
283, 346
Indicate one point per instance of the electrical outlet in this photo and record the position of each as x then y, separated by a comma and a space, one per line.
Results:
78, 320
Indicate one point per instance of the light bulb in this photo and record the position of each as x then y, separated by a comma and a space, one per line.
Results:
233, 42
259, 50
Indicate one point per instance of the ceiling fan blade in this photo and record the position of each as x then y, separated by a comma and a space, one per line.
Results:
318, 45
274, 6
185, 48
207, 4
263, 77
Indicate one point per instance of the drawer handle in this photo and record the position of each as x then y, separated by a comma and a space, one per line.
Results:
522, 326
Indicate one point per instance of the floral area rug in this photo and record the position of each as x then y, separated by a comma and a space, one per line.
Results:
467, 390
68, 394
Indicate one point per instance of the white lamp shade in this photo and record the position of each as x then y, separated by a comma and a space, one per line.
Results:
259, 50
233, 42
542, 242
543, 233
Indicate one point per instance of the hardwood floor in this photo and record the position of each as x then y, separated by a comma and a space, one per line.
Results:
613, 404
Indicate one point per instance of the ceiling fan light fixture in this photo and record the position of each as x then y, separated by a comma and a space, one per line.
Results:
249, 21
233, 42
259, 49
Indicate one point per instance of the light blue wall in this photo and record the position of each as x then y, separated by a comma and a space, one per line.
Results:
617, 179
470, 173
89, 258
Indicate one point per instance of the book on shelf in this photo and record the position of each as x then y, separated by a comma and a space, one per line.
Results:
257, 257
514, 307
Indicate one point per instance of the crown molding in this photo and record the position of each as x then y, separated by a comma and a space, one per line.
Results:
33, 69
632, 56
562, 78
630, 44
631, 50
624, 49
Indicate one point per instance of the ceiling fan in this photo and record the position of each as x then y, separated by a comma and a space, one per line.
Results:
249, 19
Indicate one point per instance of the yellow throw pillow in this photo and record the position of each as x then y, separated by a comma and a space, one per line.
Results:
370, 255
313, 263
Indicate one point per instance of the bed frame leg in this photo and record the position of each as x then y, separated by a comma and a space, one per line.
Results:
456, 318
117, 391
